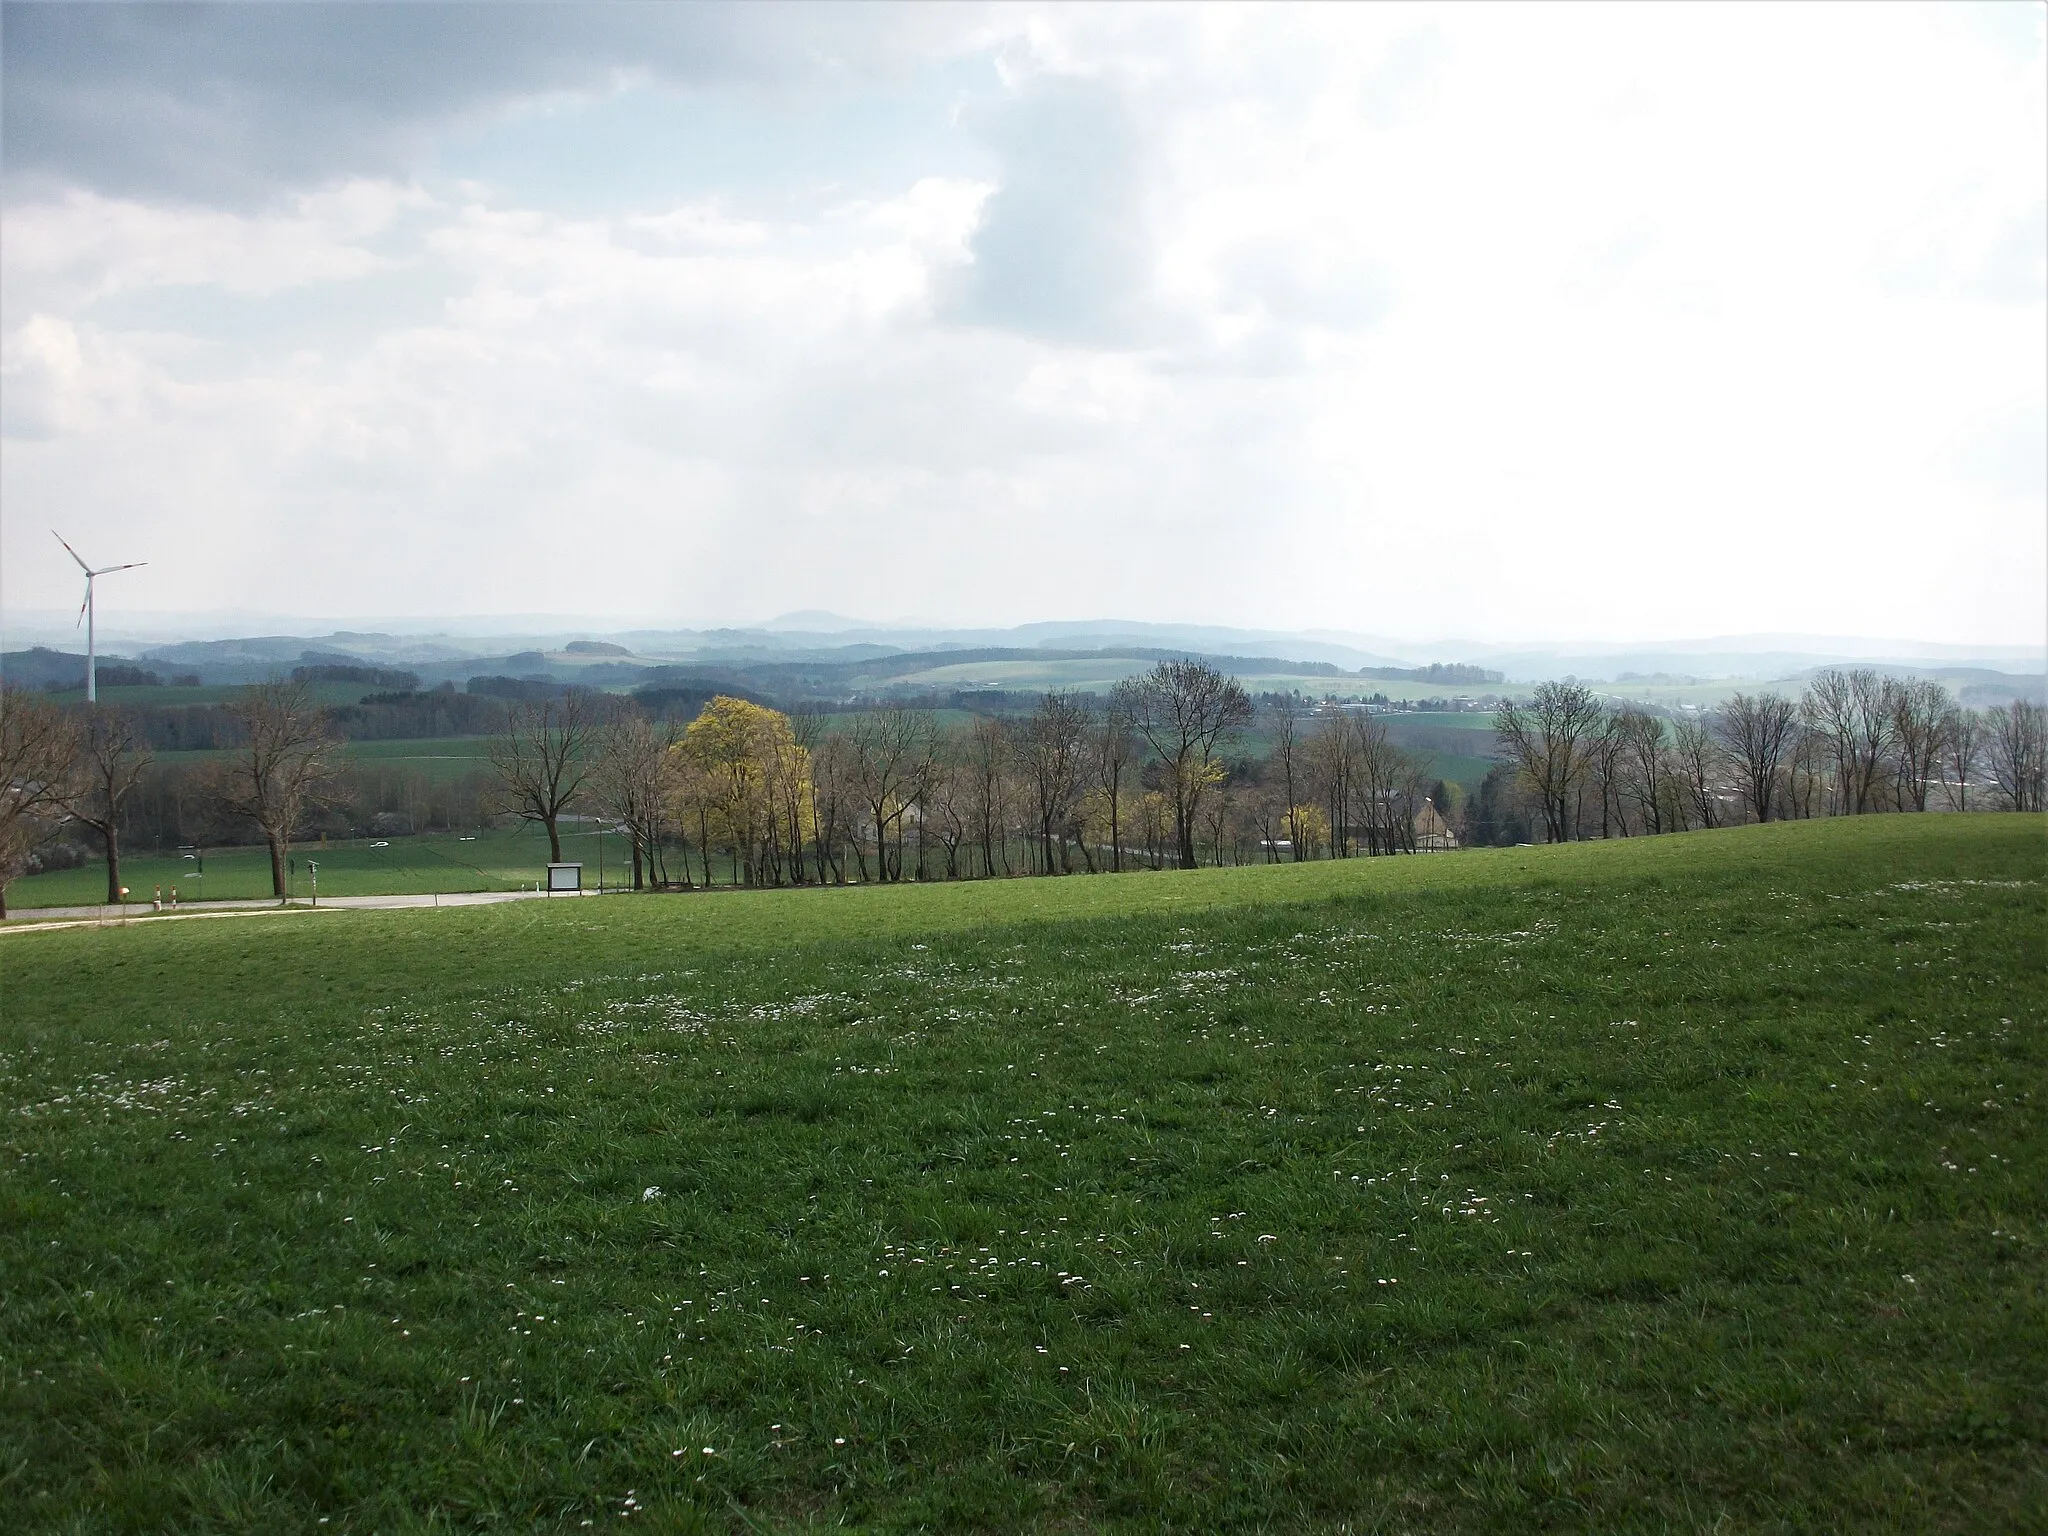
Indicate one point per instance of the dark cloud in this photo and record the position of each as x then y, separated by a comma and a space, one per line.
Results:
236, 103
1064, 248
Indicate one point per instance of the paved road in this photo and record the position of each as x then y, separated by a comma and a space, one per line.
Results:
49, 917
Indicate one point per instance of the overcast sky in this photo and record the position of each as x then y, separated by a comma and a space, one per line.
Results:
1507, 322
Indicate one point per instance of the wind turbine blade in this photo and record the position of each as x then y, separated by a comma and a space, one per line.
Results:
131, 565
70, 551
84, 605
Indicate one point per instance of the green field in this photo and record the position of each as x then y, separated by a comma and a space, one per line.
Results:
1479, 720
1467, 771
505, 860
439, 757
1681, 1183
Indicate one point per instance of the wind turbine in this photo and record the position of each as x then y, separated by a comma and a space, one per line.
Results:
85, 614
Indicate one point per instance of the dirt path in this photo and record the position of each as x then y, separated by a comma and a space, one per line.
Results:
40, 918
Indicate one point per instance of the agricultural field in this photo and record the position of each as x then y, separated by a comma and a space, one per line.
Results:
1466, 771
494, 860
1694, 1182
1479, 721
439, 757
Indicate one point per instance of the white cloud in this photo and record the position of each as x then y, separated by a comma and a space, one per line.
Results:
84, 247
1495, 321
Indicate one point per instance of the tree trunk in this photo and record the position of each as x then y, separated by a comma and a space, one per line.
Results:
637, 875
554, 840
113, 840
277, 885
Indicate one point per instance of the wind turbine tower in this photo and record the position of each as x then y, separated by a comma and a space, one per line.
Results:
85, 615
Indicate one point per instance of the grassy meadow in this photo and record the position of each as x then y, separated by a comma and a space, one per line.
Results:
438, 757
1689, 1183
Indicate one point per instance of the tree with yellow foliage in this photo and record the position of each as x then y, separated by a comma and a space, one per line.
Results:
748, 784
1309, 829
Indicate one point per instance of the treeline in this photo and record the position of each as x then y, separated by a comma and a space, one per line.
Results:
1452, 672
351, 672
1853, 743
401, 713
1175, 768
95, 769
1150, 777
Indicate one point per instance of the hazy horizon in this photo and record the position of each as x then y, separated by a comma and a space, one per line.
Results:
1532, 325
146, 631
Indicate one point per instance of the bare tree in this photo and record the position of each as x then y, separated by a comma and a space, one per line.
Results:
1218, 812
1699, 767
2019, 753
1757, 731
1186, 710
1607, 765
543, 757
926, 777
1115, 761
949, 797
1152, 819
807, 724
38, 747
1548, 738
1919, 708
1052, 747
112, 758
633, 780
987, 769
1331, 758
1268, 815
1288, 763
1642, 764
1962, 744
1852, 711
834, 798
285, 763
1387, 788
889, 748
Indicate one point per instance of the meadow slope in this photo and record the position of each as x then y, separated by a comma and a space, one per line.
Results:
1679, 1183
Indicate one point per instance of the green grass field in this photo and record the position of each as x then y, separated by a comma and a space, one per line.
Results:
1688, 1183
1443, 719
502, 860
439, 757
1467, 771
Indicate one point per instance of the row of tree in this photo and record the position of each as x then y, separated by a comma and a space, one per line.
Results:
889, 794
84, 766
1144, 777
1154, 774
1855, 741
